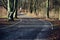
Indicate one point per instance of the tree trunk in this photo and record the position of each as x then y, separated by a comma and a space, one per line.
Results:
47, 12
16, 13
47, 6
10, 10
31, 6
16, 1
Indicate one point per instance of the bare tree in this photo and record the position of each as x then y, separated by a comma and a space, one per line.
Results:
11, 7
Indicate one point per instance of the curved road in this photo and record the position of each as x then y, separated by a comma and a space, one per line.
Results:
27, 29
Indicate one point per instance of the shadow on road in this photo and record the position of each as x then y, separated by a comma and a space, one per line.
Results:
30, 29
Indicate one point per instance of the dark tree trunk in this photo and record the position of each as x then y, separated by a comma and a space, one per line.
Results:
48, 10
31, 10
31, 6
16, 3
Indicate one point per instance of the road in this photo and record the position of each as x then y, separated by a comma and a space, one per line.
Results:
27, 29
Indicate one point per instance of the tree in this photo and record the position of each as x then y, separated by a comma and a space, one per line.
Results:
11, 7
56, 4
3, 3
31, 6
36, 6
47, 6
16, 2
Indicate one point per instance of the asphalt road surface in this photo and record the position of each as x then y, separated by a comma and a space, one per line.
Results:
27, 29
